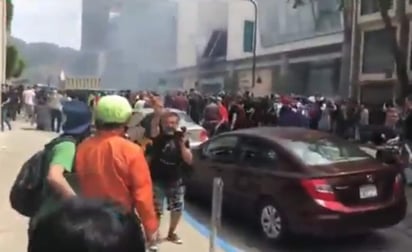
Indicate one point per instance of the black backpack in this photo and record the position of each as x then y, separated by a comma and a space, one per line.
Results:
27, 193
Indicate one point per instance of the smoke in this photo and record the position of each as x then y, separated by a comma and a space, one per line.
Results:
143, 43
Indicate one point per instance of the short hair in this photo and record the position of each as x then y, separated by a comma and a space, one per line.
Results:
168, 114
84, 225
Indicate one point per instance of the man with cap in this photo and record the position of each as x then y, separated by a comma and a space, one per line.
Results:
108, 166
61, 156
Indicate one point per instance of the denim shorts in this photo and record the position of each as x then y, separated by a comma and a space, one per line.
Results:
173, 194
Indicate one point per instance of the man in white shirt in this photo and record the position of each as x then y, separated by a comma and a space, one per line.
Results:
55, 105
29, 96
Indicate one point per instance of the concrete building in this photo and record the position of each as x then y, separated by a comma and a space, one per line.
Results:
376, 70
298, 50
201, 29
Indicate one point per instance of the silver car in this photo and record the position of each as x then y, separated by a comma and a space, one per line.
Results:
196, 133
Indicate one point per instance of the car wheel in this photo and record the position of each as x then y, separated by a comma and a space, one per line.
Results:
272, 222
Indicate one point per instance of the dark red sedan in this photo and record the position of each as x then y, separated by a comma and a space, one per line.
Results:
300, 181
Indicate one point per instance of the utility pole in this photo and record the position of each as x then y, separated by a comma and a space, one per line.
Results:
3, 42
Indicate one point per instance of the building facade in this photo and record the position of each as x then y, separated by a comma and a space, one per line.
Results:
298, 50
376, 78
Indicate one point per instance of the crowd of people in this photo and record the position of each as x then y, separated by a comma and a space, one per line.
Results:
118, 188
346, 118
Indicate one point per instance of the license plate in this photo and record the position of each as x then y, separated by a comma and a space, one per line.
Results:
368, 191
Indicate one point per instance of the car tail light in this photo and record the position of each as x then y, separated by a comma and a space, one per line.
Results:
319, 189
398, 183
203, 135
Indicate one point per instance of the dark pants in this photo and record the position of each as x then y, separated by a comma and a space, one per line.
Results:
13, 107
5, 119
56, 120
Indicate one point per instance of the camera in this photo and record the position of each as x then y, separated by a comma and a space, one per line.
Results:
180, 133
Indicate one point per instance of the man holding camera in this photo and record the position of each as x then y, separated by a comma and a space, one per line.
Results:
170, 159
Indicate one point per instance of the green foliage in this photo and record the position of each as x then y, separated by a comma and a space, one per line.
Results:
9, 11
18, 70
14, 65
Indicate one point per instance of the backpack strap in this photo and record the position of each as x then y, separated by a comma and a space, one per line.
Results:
58, 140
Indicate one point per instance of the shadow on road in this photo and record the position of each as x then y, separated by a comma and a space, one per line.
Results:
246, 237
29, 129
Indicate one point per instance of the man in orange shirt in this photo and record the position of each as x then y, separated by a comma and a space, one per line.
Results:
108, 166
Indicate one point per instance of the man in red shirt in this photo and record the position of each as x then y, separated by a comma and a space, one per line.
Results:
224, 114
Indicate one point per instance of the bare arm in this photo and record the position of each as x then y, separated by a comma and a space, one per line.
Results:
155, 123
142, 191
187, 155
154, 126
58, 182
62, 161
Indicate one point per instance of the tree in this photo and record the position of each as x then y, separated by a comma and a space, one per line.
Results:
347, 8
14, 64
9, 11
399, 47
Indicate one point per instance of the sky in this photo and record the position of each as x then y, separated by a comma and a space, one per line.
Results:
52, 21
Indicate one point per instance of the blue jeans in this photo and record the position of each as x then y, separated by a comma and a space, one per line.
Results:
5, 119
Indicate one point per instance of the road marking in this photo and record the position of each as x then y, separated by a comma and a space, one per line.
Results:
203, 230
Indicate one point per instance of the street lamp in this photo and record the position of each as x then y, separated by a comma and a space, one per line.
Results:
255, 6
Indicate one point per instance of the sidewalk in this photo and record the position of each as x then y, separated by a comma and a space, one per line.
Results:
18, 145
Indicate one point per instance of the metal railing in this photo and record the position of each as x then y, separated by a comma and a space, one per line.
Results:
215, 220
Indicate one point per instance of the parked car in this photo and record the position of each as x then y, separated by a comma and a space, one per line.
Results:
299, 181
139, 126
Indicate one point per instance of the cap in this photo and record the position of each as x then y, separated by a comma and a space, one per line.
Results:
78, 117
113, 109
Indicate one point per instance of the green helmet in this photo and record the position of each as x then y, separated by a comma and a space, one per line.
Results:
113, 109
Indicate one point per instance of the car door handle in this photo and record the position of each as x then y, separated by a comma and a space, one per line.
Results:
217, 168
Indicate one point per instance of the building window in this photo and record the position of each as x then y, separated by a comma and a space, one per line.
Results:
369, 7
248, 36
377, 53
280, 23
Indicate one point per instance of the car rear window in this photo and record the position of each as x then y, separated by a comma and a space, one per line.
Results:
185, 117
325, 151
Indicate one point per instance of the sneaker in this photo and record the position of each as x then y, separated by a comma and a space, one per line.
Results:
153, 248
174, 238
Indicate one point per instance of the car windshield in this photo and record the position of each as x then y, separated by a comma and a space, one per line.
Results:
325, 151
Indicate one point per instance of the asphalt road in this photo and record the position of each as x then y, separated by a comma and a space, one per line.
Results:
246, 238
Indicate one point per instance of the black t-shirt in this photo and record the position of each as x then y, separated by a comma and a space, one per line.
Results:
166, 164
4, 97
407, 127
